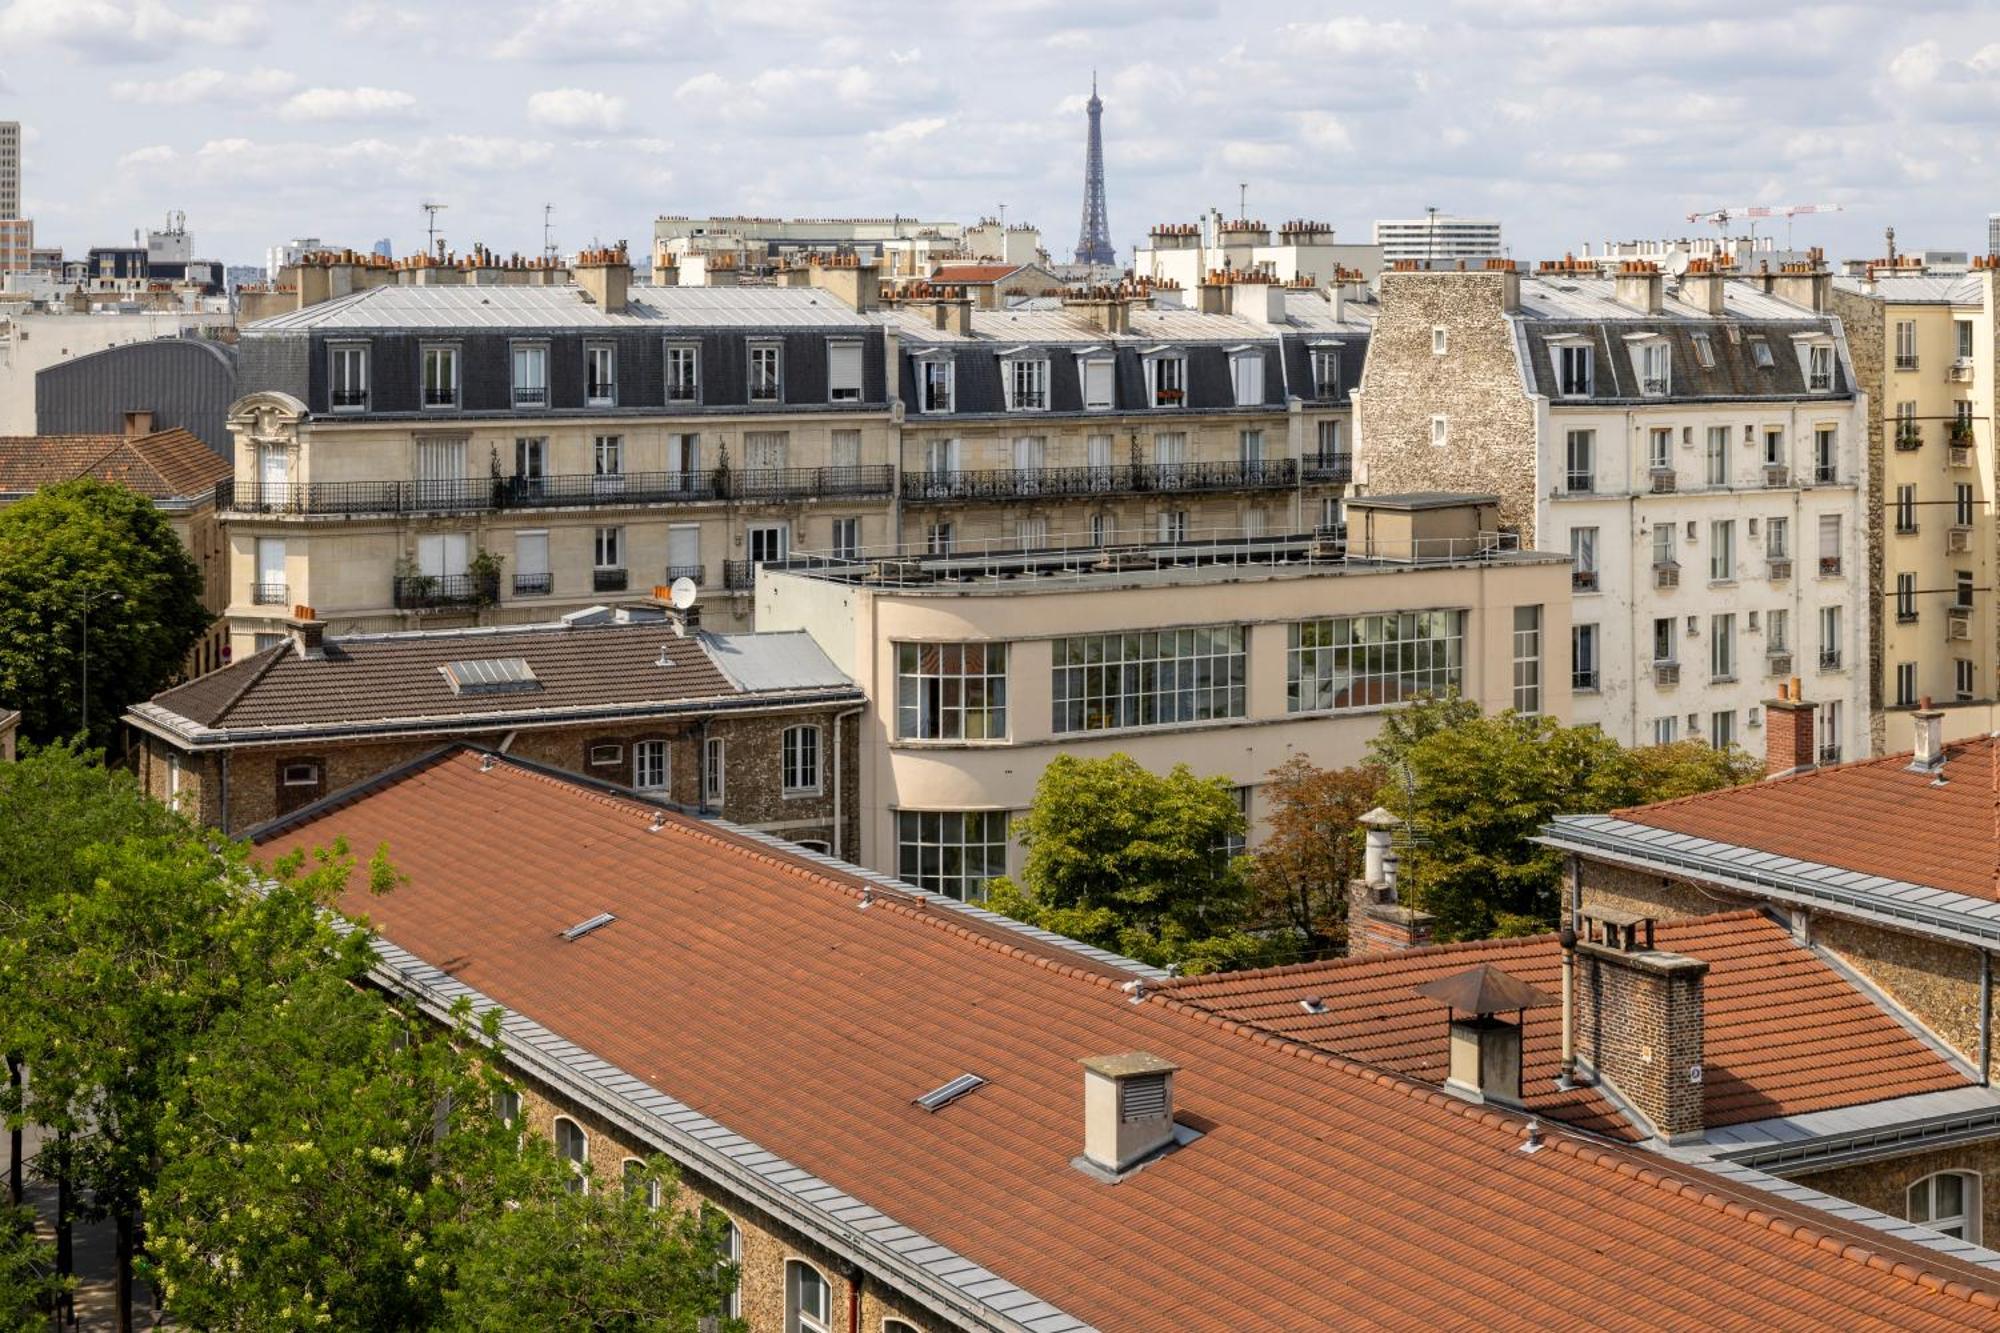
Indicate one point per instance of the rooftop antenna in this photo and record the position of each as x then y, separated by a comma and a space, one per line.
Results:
548, 232
1243, 200
431, 212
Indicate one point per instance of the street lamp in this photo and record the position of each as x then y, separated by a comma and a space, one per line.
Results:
90, 600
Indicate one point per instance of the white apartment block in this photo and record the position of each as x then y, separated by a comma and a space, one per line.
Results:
1437, 237
1186, 253
1700, 455
10, 168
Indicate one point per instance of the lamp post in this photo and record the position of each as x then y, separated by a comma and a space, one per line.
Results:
90, 600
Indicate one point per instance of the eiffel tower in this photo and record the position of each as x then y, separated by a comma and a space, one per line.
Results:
1093, 242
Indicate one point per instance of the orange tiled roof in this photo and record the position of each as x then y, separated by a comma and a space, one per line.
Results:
1322, 1193
165, 465
1860, 816
1785, 1033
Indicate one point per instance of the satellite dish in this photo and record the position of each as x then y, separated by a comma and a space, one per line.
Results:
1677, 263
683, 593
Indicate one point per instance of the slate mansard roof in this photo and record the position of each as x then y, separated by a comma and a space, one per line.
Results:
393, 684
1555, 310
741, 1012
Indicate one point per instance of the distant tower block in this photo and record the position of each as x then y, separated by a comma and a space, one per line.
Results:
1093, 242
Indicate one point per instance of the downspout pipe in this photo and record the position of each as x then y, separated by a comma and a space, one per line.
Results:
840, 781
1985, 1019
1566, 1079
854, 1278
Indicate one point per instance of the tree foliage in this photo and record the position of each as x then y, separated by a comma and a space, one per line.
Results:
1475, 789
28, 1282
1311, 849
84, 541
1135, 861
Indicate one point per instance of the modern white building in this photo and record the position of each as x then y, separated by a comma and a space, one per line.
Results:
1439, 236
1188, 252
283, 256
10, 168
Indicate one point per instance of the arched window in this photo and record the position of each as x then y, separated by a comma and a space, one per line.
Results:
573, 1146
729, 1251
635, 1179
808, 1299
897, 1326
1948, 1202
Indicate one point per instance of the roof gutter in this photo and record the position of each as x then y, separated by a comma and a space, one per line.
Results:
206, 738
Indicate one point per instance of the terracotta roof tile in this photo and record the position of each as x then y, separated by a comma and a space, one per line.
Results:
1323, 1194
165, 465
1860, 816
1785, 1033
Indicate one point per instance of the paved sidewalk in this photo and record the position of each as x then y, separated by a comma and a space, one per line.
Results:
96, 1257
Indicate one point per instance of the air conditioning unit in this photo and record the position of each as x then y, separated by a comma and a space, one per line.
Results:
1780, 570
1960, 372
1779, 664
1958, 625
1958, 539
1666, 674
1776, 474
1666, 576
1961, 455
1663, 482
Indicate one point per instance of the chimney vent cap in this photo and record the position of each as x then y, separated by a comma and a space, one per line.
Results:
1485, 989
1129, 1065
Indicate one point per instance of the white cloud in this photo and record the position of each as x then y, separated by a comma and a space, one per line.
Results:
127, 30
584, 30
348, 104
1324, 133
1353, 36
576, 110
149, 156
205, 85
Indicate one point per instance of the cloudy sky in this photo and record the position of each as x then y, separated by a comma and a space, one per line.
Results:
1571, 120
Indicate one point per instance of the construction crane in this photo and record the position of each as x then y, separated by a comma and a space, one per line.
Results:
1722, 217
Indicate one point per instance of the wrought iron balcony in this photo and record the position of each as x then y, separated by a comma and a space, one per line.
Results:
804, 483
1583, 580
1829, 659
435, 397
526, 395
1157, 478
1909, 437
603, 579
1579, 483
478, 494
445, 592
534, 585
269, 594
349, 399
1328, 467
698, 573
740, 575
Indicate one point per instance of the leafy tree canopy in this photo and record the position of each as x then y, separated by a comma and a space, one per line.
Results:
87, 541
1311, 849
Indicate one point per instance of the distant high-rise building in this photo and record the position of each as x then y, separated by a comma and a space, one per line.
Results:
1437, 236
1993, 233
10, 168
1093, 242
384, 249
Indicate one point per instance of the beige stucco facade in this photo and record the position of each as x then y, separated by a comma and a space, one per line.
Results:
861, 628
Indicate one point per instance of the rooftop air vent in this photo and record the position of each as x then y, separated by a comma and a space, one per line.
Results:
584, 927
939, 1098
491, 675
1312, 1004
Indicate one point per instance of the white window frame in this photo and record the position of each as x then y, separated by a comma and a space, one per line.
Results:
357, 353
937, 383
608, 548
689, 354
1965, 1223
307, 773
758, 350
606, 389
644, 753
1242, 365
715, 771
606, 754
451, 351
1440, 340
1574, 349
1024, 381
1155, 364
579, 1164
1100, 382
797, 1318
533, 352
800, 768
1325, 362
1440, 430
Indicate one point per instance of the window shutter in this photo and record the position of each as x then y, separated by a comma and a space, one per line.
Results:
1097, 383
531, 553
1249, 379
843, 370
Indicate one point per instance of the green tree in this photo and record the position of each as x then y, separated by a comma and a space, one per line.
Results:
86, 542
1131, 860
1311, 849
29, 1286
1476, 789
626, 1256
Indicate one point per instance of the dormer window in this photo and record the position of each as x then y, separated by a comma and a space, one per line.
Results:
349, 377
600, 375
1760, 354
766, 372
843, 370
1096, 368
1246, 375
683, 372
1704, 351
1026, 380
936, 378
1166, 380
1573, 369
1326, 370
1652, 356
441, 376
1819, 368
531, 375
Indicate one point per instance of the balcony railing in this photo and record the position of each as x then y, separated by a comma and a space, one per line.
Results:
1579, 483
1829, 752
445, 592
527, 396
269, 594
1328, 467
1906, 615
1583, 678
534, 585
1653, 387
1583, 580
697, 573
740, 575
1829, 659
1906, 360
1909, 437
1829, 566
440, 397
349, 399
608, 580
585, 489
1165, 478
1825, 474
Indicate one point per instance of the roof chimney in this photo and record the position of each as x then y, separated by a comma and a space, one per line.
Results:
1640, 285
1376, 921
1788, 731
606, 277
1640, 1020
1702, 286
1929, 756
1485, 1049
308, 633
1809, 284
1128, 1111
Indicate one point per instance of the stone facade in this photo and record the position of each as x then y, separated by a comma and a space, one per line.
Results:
1862, 319
1885, 1185
1490, 440
1377, 923
766, 1244
753, 787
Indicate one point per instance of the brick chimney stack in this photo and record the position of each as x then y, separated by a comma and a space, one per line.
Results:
1376, 921
606, 277
308, 633
1789, 731
1640, 1020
